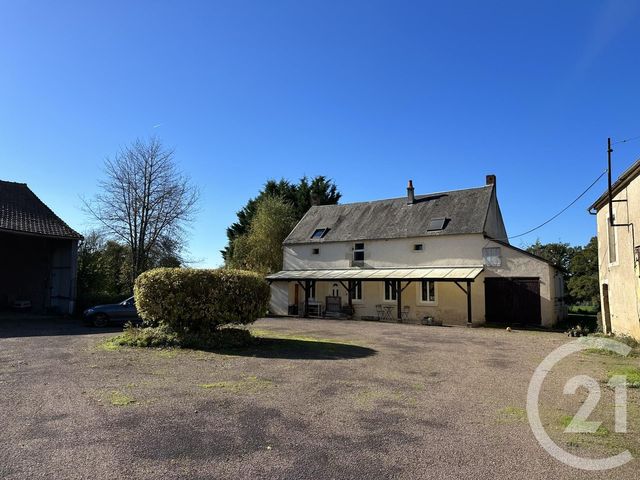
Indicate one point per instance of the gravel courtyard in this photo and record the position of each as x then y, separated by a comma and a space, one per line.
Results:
319, 399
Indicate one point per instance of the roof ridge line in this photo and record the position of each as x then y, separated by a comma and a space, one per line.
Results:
418, 196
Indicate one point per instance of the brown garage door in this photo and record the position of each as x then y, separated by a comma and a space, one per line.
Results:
512, 300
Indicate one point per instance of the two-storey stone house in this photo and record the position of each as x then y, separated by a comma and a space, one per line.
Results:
443, 255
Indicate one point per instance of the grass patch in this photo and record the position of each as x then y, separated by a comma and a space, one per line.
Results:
630, 372
566, 420
109, 345
161, 337
167, 353
584, 309
510, 413
249, 384
145, 337
119, 399
369, 398
602, 351
624, 339
261, 333
232, 341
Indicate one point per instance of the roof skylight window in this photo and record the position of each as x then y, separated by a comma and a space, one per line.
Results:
320, 232
436, 224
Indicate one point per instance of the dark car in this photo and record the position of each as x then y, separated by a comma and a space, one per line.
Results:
103, 315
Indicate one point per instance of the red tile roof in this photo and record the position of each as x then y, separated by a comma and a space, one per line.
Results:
21, 211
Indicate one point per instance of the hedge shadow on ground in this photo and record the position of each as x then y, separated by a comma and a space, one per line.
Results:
16, 325
293, 349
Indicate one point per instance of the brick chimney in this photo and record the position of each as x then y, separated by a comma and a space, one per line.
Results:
491, 180
411, 197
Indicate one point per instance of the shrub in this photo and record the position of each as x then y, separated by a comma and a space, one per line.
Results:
146, 337
194, 302
161, 337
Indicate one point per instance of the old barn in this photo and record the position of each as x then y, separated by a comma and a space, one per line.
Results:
38, 254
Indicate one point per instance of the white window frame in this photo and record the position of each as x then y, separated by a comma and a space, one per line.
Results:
419, 299
354, 299
358, 250
312, 290
499, 257
615, 239
393, 298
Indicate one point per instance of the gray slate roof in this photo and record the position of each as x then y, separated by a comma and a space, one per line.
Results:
22, 212
465, 211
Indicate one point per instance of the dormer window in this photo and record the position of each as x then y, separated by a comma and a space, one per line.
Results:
320, 232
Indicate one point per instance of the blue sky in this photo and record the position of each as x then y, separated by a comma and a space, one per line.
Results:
368, 93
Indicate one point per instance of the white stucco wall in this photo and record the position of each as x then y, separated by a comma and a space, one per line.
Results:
622, 276
445, 250
449, 250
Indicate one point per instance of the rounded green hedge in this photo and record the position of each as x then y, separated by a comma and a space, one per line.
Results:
193, 301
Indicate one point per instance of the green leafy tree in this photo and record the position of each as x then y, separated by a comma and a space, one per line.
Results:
301, 196
583, 285
90, 275
260, 249
560, 254
104, 267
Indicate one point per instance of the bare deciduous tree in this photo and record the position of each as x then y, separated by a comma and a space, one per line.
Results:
144, 201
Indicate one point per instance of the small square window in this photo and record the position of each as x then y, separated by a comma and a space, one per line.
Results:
418, 247
315, 251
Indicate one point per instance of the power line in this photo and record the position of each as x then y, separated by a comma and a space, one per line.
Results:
627, 140
563, 210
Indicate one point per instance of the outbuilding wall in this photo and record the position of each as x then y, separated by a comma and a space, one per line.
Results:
40, 270
623, 275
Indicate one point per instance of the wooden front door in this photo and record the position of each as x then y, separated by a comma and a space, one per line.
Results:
513, 301
607, 309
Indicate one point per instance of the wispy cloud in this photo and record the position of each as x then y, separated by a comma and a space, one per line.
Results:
614, 17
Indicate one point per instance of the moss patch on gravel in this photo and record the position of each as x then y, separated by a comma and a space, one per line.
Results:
512, 414
371, 398
565, 420
109, 345
262, 333
249, 384
120, 399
